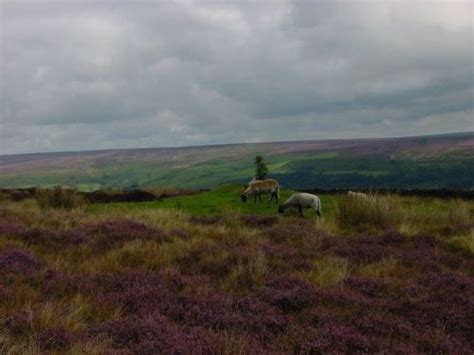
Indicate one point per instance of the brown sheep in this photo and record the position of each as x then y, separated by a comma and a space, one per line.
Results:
256, 188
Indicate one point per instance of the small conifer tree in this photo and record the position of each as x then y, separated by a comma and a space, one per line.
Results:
261, 169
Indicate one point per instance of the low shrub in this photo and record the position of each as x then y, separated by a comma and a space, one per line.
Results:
151, 335
199, 256
367, 286
57, 239
282, 258
59, 198
289, 294
15, 261
258, 221
296, 232
54, 339
114, 233
330, 338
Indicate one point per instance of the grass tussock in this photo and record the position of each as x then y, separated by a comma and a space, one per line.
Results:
134, 255
441, 217
376, 211
388, 268
59, 198
412, 215
462, 244
328, 271
248, 274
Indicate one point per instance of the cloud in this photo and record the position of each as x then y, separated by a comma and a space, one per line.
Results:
108, 74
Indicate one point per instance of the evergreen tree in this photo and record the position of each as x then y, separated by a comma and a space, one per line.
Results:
261, 169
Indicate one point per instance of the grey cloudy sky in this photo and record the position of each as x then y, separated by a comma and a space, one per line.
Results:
79, 75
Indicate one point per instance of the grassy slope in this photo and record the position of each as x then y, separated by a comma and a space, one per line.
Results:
219, 201
226, 201
424, 162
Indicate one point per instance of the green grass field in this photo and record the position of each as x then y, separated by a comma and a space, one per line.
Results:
217, 202
407, 213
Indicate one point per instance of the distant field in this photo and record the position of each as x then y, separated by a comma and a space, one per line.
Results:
416, 162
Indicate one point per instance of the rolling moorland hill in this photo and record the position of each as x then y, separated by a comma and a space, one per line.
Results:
442, 161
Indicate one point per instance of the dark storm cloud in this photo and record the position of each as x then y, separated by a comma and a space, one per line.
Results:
87, 74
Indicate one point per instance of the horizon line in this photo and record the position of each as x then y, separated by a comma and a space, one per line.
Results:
239, 143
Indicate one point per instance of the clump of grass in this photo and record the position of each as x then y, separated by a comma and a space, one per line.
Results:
206, 220
234, 344
249, 274
328, 271
385, 268
442, 217
463, 244
134, 255
191, 254
34, 319
59, 198
377, 211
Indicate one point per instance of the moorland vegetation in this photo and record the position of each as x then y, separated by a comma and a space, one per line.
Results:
206, 273
429, 162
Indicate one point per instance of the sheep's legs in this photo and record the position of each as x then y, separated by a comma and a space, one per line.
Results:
316, 209
260, 197
272, 196
300, 210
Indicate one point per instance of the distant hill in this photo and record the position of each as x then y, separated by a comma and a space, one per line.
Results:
409, 162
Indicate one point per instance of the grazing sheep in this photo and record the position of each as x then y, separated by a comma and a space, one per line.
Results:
302, 200
258, 187
356, 194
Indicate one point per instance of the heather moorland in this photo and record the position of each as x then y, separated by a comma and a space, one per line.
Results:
387, 274
423, 162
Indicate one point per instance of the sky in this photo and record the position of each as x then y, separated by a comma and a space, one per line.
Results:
82, 75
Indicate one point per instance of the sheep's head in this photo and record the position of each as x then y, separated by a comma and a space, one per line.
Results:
243, 197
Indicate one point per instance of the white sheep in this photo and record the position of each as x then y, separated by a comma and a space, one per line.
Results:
357, 194
302, 200
256, 188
